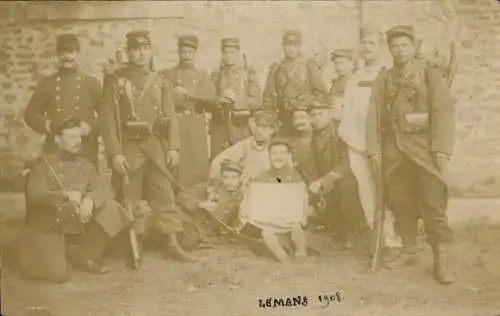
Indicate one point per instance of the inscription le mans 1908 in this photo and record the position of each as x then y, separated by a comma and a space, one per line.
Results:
300, 301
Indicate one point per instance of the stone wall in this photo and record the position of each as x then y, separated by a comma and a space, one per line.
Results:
28, 38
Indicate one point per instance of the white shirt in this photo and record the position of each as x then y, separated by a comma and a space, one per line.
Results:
352, 126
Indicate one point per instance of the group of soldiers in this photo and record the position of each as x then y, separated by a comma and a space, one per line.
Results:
378, 138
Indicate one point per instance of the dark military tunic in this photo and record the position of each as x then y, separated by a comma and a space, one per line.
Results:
338, 185
287, 79
150, 95
50, 216
410, 118
67, 93
245, 83
303, 157
190, 109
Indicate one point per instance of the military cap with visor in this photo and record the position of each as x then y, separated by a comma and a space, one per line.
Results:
229, 165
347, 53
189, 41
265, 118
292, 37
401, 30
230, 42
136, 39
67, 42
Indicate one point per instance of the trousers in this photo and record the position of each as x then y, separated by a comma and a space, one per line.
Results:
363, 172
414, 192
150, 184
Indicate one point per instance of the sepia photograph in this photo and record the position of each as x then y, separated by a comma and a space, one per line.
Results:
244, 158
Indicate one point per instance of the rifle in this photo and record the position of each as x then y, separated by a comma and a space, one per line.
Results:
379, 216
134, 245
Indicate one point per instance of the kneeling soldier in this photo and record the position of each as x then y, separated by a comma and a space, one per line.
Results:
62, 202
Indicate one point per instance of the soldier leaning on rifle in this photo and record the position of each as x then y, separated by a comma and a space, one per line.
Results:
336, 183
410, 134
290, 77
193, 95
238, 93
67, 93
63, 203
139, 103
343, 63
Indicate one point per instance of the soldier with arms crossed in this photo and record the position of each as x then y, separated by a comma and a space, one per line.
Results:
193, 95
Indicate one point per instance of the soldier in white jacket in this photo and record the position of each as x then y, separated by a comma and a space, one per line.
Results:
352, 128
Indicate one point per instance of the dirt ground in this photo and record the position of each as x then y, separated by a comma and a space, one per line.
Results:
229, 281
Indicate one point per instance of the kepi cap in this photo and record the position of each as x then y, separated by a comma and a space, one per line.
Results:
367, 31
301, 102
292, 36
67, 42
229, 165
400, 30
321, 102
280, 140
265, 118
188, 40
230, 42
138, 38
347, 53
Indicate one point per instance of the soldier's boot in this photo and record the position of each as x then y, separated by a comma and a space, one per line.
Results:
175, 251
442, 265
90, 266
408, 256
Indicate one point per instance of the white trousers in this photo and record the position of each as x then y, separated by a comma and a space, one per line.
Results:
362, 170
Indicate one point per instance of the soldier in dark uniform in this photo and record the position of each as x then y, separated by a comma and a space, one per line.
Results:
236, 87
193, 95
343, 63
67, 93
290, 77
63, 201
410, 131
336, 183
300, 138
144, 141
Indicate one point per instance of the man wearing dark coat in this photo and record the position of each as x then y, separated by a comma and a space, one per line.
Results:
141, 136
290, 77
64, 203
67, 93
336, 182
410, 135
193, 96
238, 94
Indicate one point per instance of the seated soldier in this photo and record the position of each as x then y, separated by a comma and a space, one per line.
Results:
222, 199
276, 203
63, 202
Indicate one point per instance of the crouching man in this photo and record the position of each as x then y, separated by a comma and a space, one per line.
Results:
62, 205
220, 198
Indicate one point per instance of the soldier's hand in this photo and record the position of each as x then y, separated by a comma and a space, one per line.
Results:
120, 164
85, 211
315, 187
74, 197
173, 158
441, 161
85, 128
